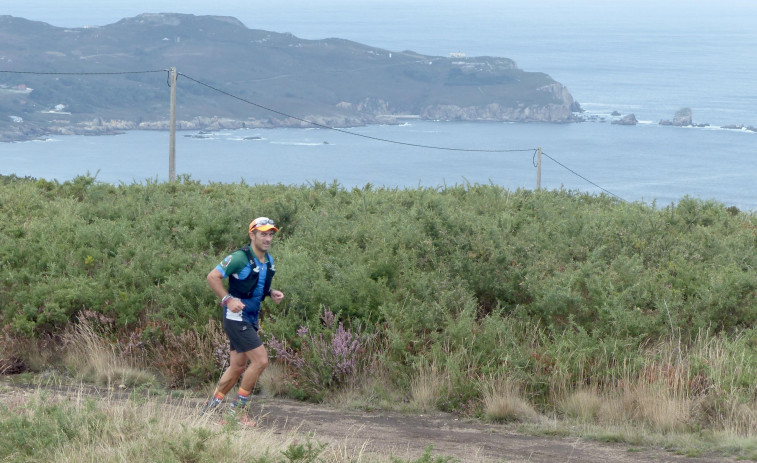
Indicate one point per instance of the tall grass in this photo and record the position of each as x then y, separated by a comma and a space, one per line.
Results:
74, 427
95, 360
428, 386
503, 400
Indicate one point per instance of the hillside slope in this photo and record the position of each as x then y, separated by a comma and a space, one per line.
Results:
231, 73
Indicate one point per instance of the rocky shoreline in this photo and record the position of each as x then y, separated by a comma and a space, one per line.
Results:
31, 131
27, 131
98, 126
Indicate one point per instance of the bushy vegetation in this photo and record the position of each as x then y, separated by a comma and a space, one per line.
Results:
547, 292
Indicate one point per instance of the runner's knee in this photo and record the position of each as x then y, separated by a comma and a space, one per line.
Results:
237, 369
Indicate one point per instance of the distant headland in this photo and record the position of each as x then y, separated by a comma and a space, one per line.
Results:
103, 80
111, 79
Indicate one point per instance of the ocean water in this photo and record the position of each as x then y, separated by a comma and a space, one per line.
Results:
647, 163
644, 57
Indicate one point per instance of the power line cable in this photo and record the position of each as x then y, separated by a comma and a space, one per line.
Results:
581, 176
534, 150
83, 73
350, 132
278, 112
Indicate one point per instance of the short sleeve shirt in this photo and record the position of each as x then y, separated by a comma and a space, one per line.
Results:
237, 265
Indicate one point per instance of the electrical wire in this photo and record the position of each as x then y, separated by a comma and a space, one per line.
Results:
347, 131
417, 145
83, 73
581, 176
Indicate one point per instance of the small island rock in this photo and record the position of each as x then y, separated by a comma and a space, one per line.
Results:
629, 119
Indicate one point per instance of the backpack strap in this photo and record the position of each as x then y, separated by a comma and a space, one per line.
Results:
248, 252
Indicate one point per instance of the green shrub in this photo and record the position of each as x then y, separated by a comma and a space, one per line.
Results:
548, 287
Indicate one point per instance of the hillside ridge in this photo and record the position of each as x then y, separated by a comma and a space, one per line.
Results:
96, 80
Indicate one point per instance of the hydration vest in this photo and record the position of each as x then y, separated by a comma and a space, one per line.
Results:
243, 289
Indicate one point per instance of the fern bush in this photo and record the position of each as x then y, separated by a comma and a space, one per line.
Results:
554, 289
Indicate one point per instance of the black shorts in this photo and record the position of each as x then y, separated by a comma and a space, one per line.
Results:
243, 336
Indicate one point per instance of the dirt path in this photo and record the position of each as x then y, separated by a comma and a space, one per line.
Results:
407, 436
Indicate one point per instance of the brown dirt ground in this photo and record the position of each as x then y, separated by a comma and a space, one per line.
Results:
407, 436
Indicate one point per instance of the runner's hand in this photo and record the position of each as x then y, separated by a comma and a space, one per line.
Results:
235, 305
277, 296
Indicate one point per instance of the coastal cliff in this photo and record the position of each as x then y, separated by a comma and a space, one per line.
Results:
107, 79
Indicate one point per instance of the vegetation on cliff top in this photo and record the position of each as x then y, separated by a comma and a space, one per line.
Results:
465, 289
337, 81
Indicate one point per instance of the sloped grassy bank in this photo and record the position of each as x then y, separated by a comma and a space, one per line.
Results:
473, 289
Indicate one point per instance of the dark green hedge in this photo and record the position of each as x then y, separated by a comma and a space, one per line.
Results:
465, 266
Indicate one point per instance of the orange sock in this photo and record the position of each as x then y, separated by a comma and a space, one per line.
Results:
242, 397
214, 402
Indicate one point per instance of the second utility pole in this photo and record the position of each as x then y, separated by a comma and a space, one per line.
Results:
172, 129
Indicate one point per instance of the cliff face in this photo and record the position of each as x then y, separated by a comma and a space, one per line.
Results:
85, 81
496, 112
560, 111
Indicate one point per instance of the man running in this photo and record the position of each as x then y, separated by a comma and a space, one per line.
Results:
250, 271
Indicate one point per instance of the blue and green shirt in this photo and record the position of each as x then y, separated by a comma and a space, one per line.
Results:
249, 280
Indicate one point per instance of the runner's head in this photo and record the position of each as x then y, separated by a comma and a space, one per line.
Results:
262, 224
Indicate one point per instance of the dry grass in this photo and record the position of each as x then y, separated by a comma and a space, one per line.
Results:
427, 387
646, 405
113, 430
664, 411
684, 387
157, 432
740, 419
665, 403
19, 353
650, 405
192, 357
583, 405
504, 401
656, 413
93, 359
273, 380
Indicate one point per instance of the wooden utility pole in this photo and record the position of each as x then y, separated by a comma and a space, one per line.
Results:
538, 168
172, 129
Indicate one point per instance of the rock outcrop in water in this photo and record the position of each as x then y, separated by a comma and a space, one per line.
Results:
682, 118
628, 119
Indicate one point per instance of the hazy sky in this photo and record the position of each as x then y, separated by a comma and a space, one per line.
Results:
78, 13
258, 14
366, 20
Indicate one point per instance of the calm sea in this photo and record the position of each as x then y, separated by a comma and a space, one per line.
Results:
642, 57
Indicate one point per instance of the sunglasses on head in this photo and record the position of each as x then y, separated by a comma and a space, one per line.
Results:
261, 222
